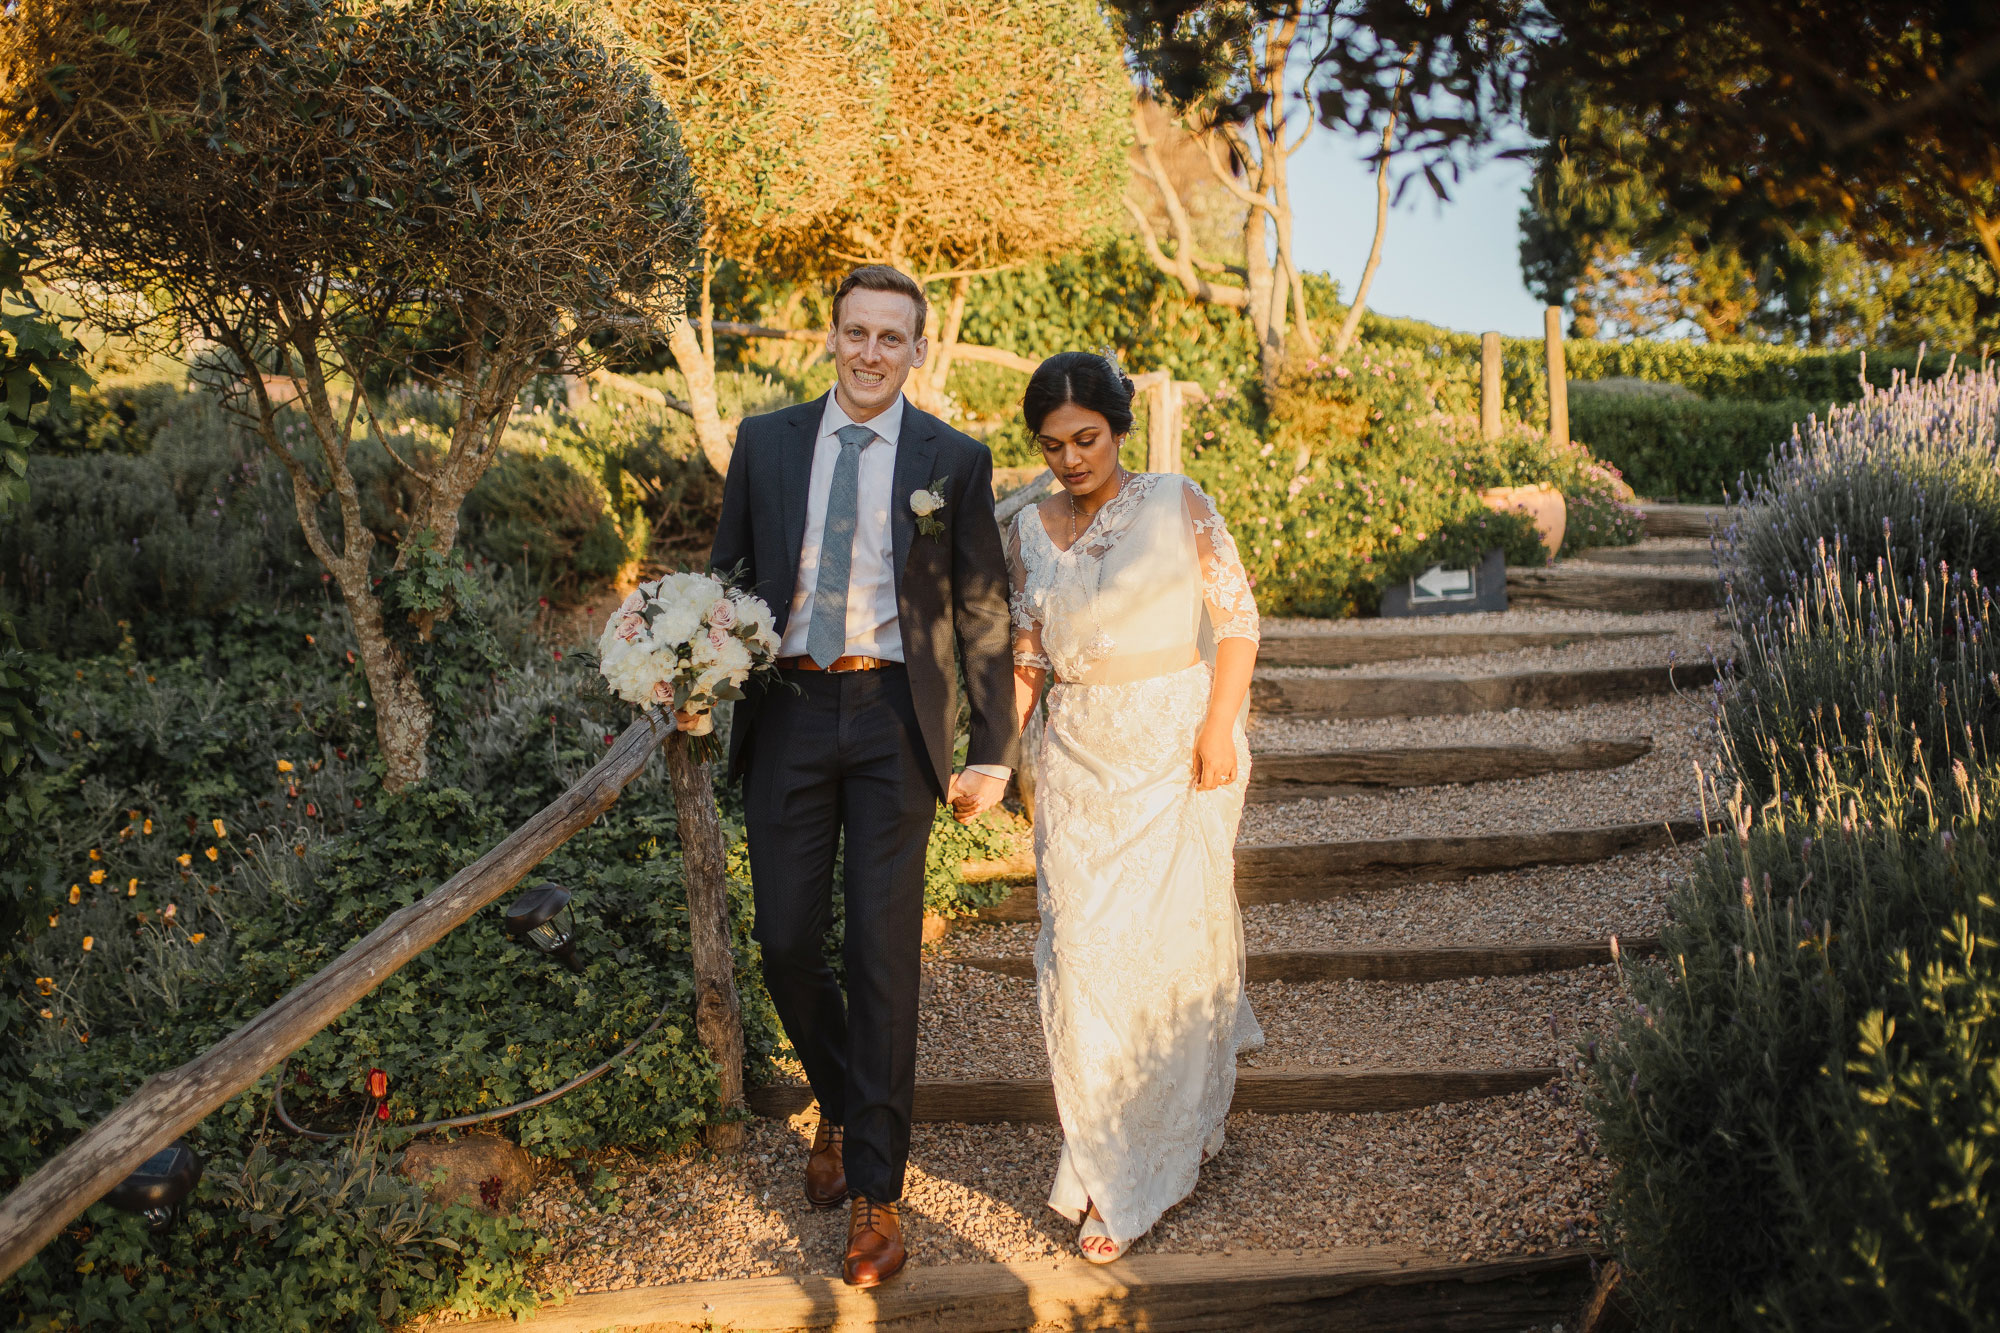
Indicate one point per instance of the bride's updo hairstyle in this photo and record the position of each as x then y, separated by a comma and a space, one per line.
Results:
1089, 380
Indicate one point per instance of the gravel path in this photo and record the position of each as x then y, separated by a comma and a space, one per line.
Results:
1507, 1175
980, 1025
1658, 786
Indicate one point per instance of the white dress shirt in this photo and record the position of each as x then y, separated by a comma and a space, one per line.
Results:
873, 628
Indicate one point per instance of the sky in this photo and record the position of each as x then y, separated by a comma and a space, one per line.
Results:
1454, 263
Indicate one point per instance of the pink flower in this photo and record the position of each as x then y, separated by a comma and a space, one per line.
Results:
723, 614
633, 601
663, 693
631, 627
717, 636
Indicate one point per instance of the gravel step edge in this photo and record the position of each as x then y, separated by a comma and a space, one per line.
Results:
1368, 1287
1258, 1091
1449, 962
1315, 871
1359, 649
1294, 775
1440, 694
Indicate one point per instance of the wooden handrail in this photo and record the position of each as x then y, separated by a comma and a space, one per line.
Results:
168, 1104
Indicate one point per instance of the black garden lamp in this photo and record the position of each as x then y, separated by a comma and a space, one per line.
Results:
158, 1188
542, 917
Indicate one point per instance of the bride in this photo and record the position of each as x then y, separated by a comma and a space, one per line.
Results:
1128, 590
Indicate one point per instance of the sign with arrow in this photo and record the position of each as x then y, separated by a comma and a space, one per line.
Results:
1439, 590
1438, 583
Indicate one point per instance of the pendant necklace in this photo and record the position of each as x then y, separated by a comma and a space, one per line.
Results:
1072, 505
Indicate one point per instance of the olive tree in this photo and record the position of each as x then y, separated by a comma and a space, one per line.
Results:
948, 138
309, 185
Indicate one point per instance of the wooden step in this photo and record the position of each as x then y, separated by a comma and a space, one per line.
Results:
1317, 871
1649, 553
1681, 520
1569, 588
1386, 644
1294, 777
1444, 962
1437, 693
1258, 1091
1377, 1288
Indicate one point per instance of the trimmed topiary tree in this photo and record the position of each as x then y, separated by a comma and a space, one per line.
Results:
317, 187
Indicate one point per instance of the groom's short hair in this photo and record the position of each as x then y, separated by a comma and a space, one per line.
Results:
882, 278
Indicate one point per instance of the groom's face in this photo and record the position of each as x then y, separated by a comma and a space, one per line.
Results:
875, 345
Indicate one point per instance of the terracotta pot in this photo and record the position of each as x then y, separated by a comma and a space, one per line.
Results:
1541, 502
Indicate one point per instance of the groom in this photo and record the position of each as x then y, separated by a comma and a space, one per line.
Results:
824, 512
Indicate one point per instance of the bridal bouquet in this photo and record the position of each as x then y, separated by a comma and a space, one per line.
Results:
686, 642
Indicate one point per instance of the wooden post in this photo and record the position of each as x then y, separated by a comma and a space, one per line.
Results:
1489, 385
168, 1104
1163, 420
1552, 339
718, 1016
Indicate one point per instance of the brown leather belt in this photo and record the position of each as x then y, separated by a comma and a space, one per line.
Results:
851, 663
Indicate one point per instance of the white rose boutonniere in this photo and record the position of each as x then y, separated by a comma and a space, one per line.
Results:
925, 504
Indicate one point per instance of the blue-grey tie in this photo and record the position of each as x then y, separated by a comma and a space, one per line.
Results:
826, 637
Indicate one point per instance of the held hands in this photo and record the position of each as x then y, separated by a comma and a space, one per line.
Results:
1215, 756
973, 794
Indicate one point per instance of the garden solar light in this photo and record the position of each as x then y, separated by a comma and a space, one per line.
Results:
542, 917
157, 1189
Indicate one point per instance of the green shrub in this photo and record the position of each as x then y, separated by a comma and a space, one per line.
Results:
1599, 516
1908, 476
114, 417
1781, 1160
1693, 450
295, 1244
1749, 372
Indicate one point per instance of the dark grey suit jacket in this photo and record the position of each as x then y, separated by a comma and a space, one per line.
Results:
951, 590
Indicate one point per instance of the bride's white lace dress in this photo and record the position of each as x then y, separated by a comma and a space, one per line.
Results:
1139, 963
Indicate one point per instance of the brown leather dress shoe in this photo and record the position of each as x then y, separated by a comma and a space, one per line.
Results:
875, 1250
826, 1174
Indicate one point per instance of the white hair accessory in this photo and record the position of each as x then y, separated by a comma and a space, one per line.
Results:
1110, 358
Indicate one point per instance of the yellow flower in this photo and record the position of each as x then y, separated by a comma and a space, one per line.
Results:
284, 765
46, 985
132, 888
53, 918
48, 1013
148, 829
76, 893
211, 853
197, 937
95, 855
97, 875
88, 940
185, 859
220, 831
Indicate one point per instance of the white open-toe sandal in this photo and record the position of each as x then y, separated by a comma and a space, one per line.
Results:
1094, 1229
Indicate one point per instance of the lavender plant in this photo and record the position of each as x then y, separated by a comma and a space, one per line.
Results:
1910, 474
1867, 680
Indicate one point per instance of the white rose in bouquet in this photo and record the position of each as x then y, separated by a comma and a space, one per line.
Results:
686, 643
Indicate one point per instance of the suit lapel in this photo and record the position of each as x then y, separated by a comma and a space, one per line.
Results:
914, 454
794, 485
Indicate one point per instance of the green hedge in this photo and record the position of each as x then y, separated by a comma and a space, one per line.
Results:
1691, 449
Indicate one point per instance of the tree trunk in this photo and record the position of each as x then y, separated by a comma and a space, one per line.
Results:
698, 369
1352, 324
718, 1015
402, 714
921, 389
1266, 298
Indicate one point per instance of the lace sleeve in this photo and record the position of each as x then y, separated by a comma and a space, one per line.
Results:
1027, 629
1232, 610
